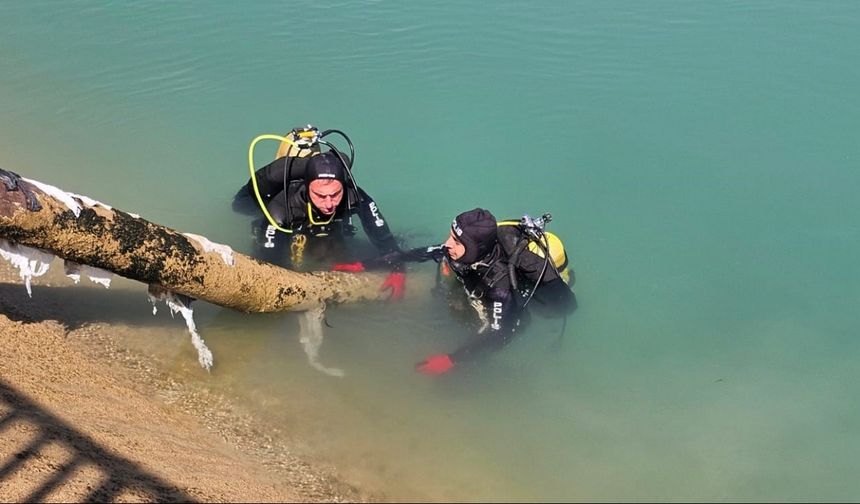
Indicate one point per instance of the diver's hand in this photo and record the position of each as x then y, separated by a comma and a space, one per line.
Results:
356, 267
396, 281
435, 365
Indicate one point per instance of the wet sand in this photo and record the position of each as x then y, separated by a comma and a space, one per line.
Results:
82, 418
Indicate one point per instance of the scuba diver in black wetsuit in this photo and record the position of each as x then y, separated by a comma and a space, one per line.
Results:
503, 267
308, 199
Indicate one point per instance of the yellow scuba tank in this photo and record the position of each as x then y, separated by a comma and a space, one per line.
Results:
556, 250
300, 142
556, 253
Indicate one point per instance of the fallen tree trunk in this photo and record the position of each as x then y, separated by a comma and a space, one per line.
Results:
87, 232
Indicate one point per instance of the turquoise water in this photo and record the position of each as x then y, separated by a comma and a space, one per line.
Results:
700, 160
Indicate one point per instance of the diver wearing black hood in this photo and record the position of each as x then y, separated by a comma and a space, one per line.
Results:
311, 197
502, 269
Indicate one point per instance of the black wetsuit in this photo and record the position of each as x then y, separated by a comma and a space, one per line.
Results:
489, 287
284, 191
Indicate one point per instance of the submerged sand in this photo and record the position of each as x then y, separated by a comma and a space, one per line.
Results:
82, 418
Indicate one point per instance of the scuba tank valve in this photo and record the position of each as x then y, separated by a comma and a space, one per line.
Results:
306, 137
535, 226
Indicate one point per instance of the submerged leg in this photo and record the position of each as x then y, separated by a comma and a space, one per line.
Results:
311, 330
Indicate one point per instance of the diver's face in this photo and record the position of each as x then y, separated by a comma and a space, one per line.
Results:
325, 195
455, 247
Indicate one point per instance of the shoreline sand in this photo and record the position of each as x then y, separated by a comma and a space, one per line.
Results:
83, 418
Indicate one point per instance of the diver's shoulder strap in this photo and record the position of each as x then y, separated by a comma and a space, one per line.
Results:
509, 236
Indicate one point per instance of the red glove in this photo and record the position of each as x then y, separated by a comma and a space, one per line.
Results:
396, 281
435, 365
356, 267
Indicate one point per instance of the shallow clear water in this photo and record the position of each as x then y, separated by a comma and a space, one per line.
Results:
700, 160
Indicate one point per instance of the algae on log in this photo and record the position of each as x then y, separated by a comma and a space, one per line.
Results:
135, 248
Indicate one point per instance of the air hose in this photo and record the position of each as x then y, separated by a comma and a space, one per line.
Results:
254, 176
293, 143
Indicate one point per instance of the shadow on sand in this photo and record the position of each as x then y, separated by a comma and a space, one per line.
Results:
116, 474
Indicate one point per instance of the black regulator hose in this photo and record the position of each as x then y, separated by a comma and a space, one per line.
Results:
346, 166
348, 141
349, 166
545, 247
515, 256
